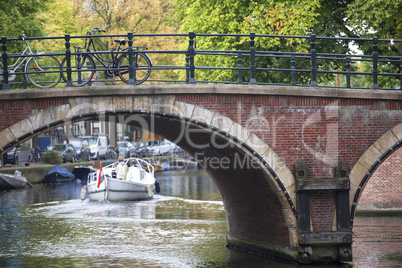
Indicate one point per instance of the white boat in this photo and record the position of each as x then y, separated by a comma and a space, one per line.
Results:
138, 183
9, 181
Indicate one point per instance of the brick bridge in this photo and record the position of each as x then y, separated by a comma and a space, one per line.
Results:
290, 162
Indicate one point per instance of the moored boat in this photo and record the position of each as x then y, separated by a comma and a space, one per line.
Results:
59, 174
13, 181
82, 173
126, 180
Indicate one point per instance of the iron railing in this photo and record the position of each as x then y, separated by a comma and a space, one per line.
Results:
246, 65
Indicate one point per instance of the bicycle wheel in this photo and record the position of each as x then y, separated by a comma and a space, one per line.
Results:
82, 70
43, 71
143, 63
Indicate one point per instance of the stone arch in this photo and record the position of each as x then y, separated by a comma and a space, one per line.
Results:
370, 161
275, 184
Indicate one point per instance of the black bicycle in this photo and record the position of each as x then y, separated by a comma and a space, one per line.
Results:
83, 66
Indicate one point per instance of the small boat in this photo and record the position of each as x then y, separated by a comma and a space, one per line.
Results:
158, 167
82, 173
134, 180
59, 174
9, 181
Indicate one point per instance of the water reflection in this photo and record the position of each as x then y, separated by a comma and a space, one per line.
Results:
185, 226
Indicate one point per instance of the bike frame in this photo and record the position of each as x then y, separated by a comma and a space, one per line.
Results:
105, 63
109, 64
20, 60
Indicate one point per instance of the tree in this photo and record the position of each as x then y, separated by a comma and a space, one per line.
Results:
380, 18
117, 17
19, 17
342, 18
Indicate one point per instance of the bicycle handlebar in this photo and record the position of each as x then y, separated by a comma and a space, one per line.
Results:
22, 37
96, 29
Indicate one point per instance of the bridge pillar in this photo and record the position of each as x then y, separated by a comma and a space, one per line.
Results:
323, 216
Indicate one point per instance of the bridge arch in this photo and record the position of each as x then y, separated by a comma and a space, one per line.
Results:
371, 159
270, 210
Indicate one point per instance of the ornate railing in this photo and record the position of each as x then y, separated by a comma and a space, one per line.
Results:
252, 65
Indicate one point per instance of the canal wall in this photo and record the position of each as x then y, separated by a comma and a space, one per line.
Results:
35, 173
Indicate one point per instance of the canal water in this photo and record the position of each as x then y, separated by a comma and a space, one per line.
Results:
184, 226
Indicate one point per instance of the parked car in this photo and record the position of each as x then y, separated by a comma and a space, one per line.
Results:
157, 147
124, 147
97, 144
82, 152
66, 151
138, 150
20, 154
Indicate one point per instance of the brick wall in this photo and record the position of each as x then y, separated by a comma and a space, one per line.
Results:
307, 128
14, 111
322, 210
384, 188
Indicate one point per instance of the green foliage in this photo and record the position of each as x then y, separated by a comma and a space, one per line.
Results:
52, 157
346, 18
19, 17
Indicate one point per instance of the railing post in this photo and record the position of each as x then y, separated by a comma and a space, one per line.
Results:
24, 76
6, 85
131, 72
68, 60
375, 63
187, 68
252, 59
239, 64
191, 54
348, 72
313, 62
400, 76
293, 67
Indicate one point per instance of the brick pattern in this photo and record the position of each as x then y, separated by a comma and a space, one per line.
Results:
14, 111
310, 129
306, 128
384, 188
322, 210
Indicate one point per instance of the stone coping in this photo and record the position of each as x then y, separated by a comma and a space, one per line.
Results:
267, 90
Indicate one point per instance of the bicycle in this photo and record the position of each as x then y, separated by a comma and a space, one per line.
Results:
42, 70
83, 66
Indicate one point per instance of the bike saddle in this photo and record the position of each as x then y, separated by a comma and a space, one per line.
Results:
121, 41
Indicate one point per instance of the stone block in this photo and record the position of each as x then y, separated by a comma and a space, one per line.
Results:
183, 109
397, 130
342, 169
122, 103
257, 144
239, 131
301, 170
357, 174
221, 122
369, 157
40, 118
203, 115
386, 142
59, 112
6, 136
80, 106
102, 104
163, 104
21, 128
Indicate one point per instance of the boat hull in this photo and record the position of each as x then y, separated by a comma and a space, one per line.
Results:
8, 181
55, 178
119, 190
